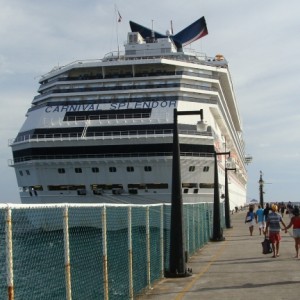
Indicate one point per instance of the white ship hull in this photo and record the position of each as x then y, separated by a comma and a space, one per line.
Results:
102, 131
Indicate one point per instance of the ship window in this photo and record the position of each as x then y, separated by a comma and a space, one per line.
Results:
106, 186
148, 186
78, 170
112, 169
37, 188
192, 168
133, 191
205, 169
189, 185
65, 187
157, 185
21, 173
130, 169
185, 191
206, 185
27, 172
195, 191
95, 170
61, 171
148, 168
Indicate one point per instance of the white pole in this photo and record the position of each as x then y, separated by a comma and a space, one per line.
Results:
162, 240
194, 229
148, 247
9, 255
130, 254
67, 253
187, 229
104, 242
199, 226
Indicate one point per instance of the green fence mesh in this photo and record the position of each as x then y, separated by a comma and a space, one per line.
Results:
3, 285
135, 246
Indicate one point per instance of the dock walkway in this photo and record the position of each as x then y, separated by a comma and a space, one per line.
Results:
236, 269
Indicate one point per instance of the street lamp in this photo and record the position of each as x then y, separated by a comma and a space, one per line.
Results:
177, 262
227, 205
261, 190
217, 231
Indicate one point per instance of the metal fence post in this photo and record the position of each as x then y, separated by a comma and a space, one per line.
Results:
187, 229
9, 255
67, 253
130, 254
194, 230
162, 239
104, 243
148, 247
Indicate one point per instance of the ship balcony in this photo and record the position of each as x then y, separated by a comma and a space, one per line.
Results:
106, 157
107, 135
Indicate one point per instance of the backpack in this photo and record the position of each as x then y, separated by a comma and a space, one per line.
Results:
266, 246
249, 217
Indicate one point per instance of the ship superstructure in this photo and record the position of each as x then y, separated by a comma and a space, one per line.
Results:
102, 130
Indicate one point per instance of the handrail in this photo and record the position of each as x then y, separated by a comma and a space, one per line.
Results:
121, 88
201, 58
22, 159
95, 135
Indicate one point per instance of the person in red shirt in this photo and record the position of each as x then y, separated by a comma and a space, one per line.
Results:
295, 222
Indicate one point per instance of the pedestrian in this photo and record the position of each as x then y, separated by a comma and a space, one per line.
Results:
250, 218
295, 222
266, 212
282, 209
260, 219
273, 224
289, 209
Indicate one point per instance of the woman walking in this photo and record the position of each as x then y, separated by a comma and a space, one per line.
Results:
250, 218
295, 222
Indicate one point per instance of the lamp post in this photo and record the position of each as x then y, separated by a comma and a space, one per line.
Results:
227, 205
177, 262
217, 231
261, 190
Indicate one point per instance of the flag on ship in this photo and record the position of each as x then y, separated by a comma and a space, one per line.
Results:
119, 17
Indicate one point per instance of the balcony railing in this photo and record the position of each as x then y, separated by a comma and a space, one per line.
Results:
12, 162
96, 135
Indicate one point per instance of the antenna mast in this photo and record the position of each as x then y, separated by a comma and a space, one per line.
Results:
118, 19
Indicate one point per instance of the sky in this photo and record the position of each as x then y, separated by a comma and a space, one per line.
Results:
260, 39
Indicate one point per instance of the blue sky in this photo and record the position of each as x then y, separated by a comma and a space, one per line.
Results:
260, 39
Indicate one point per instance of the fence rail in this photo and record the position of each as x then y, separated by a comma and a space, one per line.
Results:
95, 251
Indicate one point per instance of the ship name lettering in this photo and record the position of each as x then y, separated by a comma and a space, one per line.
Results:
113, 106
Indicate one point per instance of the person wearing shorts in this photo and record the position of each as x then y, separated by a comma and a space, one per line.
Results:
250, 219
273, 224
295, 222
260, 219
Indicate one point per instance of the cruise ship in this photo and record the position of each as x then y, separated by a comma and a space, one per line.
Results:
101, 131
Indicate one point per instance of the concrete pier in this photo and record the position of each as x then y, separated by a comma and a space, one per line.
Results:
236, 269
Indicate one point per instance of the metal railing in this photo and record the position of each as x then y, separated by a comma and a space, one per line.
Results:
11, 162
65, 251
95, 135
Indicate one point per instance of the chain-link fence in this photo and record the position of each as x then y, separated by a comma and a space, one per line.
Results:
91, 251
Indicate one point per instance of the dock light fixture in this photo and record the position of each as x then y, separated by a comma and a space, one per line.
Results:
177, 260
261, 190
